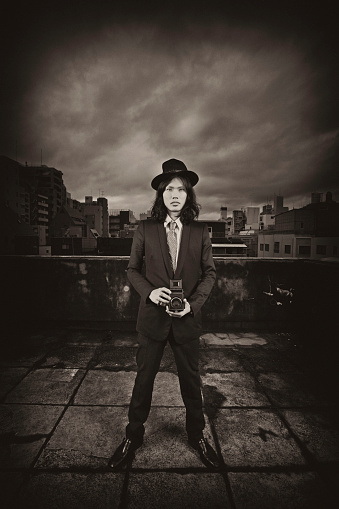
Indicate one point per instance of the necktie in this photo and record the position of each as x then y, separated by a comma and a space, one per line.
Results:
172, 243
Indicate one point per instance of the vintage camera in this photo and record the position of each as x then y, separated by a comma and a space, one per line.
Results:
177, 295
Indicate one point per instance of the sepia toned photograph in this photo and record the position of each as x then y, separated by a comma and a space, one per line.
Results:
169, 257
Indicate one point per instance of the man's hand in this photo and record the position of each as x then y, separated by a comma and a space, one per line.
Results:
160, 296
179, 314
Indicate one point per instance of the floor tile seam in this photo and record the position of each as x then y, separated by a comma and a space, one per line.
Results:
262, 388
276, 408
32, 368
28, 404
265, 392
292, 467
210, 371
252, 369
123, 405
123, 502
54, 368
230, 407
309, 376
308, 456
243, 407
65, 408
323, 468
258, 386
224, 474
222, 462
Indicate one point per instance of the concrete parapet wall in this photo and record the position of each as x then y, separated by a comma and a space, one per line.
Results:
249, 293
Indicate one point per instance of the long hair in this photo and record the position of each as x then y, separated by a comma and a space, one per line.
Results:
190, 210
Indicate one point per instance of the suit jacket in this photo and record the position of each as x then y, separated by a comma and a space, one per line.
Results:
195, 267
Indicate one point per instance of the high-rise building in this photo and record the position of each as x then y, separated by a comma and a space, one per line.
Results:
223, 213
46, 181
278, 206
252, 218
10, 184
103, 202
96, 214
239, 220
34, 193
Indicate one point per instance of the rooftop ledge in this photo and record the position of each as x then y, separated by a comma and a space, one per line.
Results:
249, 293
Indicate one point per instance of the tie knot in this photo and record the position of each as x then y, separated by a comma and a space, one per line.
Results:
172, 225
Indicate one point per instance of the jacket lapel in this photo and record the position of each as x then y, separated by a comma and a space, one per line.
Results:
185, 236
164, 249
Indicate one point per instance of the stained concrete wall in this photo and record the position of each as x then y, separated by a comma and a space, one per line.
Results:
249, 293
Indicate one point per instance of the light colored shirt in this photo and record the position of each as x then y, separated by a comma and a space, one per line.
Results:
178, 230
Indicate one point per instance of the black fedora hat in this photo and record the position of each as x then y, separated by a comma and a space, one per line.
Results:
174, 168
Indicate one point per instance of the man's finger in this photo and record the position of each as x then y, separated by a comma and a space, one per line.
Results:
166, 290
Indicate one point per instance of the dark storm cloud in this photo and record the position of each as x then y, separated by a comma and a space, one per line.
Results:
245, 95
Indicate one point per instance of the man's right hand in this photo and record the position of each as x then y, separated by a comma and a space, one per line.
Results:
160, 296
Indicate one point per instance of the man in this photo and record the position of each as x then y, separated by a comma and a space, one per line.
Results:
174, 248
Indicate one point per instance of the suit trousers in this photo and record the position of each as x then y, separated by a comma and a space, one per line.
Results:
149, 355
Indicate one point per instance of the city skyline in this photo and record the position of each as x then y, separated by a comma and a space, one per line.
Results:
245, 96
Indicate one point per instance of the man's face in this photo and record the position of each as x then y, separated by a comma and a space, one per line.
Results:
175, 196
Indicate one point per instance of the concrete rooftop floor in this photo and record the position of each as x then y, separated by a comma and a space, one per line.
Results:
271, 410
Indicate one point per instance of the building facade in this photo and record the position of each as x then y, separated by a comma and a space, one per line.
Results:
309, 232
272, 244
96, 215
239, 221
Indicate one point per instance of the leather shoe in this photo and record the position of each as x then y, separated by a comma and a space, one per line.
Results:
124, 451
207, 454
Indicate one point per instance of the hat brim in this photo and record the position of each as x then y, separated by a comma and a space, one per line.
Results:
193, 177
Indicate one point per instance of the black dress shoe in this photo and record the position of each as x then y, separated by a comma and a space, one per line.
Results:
207, 454
124, 452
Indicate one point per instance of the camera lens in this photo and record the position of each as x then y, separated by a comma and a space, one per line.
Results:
176, 303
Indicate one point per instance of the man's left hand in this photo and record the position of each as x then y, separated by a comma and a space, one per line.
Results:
179, 314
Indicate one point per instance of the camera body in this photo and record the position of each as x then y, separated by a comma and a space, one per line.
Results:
177, 295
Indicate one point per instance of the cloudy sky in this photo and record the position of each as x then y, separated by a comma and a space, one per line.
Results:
246, 96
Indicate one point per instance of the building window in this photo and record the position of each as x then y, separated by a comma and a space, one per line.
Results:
335, 250
276, 247
267, 247
261, 247
321, 249
305, 250
288, 248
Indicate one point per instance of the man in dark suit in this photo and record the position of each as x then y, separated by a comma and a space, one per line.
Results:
173, 247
